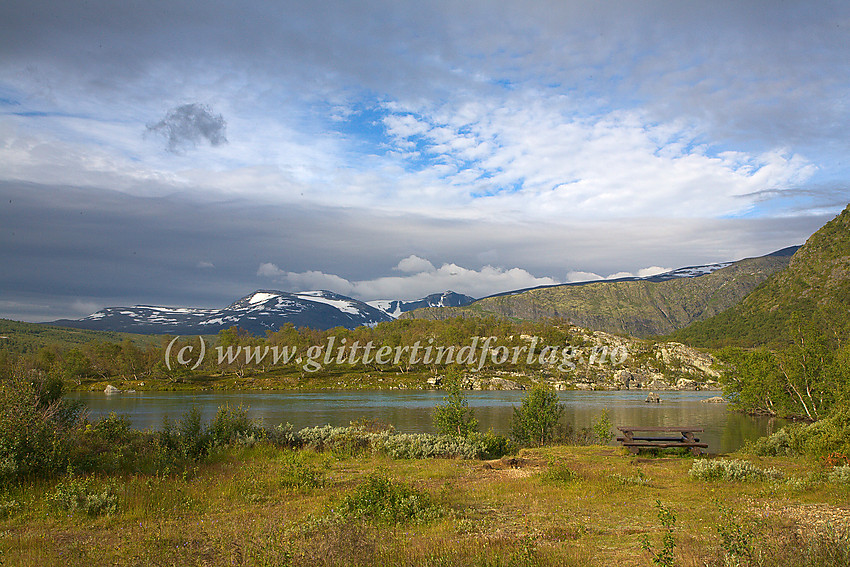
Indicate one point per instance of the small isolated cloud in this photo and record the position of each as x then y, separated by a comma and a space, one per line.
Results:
414, 284
573, 277
414, 264
190, 124
205, 265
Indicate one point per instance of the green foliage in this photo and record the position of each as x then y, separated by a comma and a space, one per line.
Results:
36, 426
299, 474
86, 495
492, 445
535, 420
455, 417
602, 427
663, 556
352, 441
232, 424
734, 470
829, 435
383, 500
808, 378
736, 538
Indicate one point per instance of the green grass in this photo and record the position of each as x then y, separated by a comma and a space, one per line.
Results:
552, 506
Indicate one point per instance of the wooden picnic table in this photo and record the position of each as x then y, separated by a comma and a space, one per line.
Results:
685, 438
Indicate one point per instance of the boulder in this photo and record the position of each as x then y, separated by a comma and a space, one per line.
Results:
110, 389
714, 400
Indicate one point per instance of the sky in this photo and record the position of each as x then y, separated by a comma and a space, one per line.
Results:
188, 153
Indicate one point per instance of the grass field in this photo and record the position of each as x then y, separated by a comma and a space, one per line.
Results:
562, 505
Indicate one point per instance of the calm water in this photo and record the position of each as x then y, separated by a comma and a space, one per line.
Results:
410, 411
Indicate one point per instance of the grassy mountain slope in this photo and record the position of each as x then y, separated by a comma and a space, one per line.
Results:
19, 337
813, 290
638, 308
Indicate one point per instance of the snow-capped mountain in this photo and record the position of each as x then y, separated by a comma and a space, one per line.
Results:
395, 307
256, 313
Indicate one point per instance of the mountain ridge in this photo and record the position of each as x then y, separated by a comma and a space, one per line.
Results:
642, 307
814, 289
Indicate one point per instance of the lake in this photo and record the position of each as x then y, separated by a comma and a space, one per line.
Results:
411, 411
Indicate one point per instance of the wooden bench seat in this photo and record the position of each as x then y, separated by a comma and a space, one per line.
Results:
685, 439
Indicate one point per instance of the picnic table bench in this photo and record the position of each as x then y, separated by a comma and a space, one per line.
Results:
685, 438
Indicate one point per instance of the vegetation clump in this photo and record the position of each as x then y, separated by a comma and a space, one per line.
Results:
383, 500
455, 417
731, 470
85, 494
535, 421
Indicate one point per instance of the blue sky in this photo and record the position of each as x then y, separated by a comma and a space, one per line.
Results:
180, 153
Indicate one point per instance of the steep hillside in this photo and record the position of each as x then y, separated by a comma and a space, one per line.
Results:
640, 308
813, 290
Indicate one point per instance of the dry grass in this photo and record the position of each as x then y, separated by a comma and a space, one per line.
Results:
242, 510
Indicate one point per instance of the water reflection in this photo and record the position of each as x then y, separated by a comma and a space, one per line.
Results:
411, 411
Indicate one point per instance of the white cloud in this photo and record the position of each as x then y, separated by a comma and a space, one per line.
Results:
477, 283
579, 276
204, 265
413, 264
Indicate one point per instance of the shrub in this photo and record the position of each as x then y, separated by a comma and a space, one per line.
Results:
639, 479
298, 474
36, 425
492, 446
284, 435
233, 425
534, 421
602, 428
8, 507
840, 475
382, 500
455, 417
731, 470
829, 435
82, 495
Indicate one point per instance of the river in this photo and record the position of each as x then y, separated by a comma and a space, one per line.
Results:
411, 411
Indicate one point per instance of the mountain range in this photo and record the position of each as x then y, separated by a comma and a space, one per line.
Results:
640, 306
258, 312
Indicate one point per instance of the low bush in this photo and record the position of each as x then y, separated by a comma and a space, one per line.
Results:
731, 470
232, 425
638, 479
383, 500
85, 494
298, 474
840, 475
830, 435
